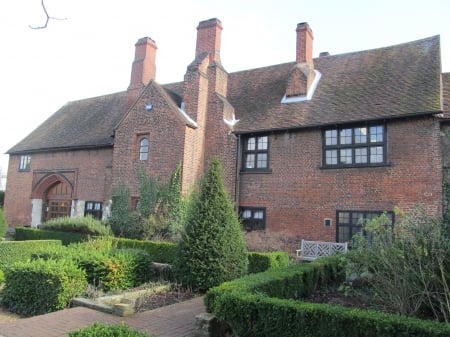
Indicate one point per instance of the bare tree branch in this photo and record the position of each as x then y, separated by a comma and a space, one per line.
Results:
48, 18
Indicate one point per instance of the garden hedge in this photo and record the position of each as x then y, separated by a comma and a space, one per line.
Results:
260, 262
108, 330
270, 304
27, 233
15, 251
41, 286
159, 251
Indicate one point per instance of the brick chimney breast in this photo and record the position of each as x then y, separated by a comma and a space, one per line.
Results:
143, 69
209, 33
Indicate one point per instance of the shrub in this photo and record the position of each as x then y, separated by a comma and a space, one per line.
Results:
104, 330
159, 251
16, 251
3, 225
409, 264
85, 225
260, 262
212, 249
26, 234
41, 286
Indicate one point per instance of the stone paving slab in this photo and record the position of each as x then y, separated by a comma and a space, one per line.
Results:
176, 320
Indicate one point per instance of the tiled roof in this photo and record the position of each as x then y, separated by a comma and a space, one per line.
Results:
79, 124
446, 94
391, 82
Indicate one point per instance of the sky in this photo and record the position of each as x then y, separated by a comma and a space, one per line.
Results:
89, 51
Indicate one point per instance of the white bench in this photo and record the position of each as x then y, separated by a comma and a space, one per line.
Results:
312, 250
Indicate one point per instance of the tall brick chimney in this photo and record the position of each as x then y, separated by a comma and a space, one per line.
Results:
143, 69
304, 44
302, 74
209, 33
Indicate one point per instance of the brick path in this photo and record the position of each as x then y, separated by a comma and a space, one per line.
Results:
176, 320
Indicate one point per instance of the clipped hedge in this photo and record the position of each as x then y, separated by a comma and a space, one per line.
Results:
41, 286
85, 225
260, 262
269, 304
27, 233
159, 251
105, 330
15, 251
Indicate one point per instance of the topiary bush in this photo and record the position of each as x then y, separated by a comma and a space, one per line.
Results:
41, 286
104, 330
85, 225
212, 249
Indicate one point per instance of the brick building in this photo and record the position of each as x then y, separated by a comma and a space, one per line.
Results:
311, 148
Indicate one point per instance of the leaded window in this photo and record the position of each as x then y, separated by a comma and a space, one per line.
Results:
354, 146
256, 153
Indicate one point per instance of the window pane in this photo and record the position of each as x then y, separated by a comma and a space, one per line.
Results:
247, 214
361, 155
258, 215
346, 136
376, 134
98, 206
262, 160
344, 217
376, 154
358, 218
250, 161
262, 143
143, 149
344, 234
89, 206
331, 137
360, 135
331, 157
251, 144
346, 156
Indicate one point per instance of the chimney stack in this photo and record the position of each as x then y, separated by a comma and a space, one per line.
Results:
143, 69
304, 44
209, 33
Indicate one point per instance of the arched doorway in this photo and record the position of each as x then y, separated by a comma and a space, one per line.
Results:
58, 201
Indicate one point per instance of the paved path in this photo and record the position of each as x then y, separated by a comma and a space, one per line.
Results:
176, 320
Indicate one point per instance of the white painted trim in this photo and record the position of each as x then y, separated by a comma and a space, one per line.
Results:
231, 122
309, 95
185, 114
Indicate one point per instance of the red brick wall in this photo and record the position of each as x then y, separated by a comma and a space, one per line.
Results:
299, 195
165, 132
92, 181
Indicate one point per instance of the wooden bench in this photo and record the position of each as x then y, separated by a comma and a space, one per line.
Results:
312, 250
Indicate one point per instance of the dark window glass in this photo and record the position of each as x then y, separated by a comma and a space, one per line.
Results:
143, 149
356, 146
350, 223
94, 208
253, 218
25, 162
256, 153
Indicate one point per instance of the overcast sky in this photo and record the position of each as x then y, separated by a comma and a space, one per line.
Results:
90, 52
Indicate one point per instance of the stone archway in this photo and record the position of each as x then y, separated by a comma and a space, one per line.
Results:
51, 198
